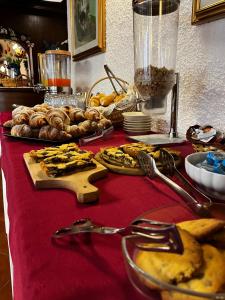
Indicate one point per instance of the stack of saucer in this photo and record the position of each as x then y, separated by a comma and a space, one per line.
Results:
136, 123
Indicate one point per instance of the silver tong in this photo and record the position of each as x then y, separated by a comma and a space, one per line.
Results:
148, 165
97, 135
147, 235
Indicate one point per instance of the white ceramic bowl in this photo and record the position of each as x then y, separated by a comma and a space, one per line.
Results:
212, 183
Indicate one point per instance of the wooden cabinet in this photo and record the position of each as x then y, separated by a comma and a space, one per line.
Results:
19, 95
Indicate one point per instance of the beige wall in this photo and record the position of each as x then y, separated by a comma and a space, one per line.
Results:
200, 61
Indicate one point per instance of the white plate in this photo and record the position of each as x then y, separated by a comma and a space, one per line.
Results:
137, 122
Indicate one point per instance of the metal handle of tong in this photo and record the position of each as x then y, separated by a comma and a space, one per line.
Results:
146, 234
110, 76
95, 136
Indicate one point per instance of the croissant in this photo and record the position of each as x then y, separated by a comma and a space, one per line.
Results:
57, 118
22, 130
51, 133
105, 123
19, 109
74, 130
37, 120
44, 107
76, 115
9, 124
92, 114
23, 116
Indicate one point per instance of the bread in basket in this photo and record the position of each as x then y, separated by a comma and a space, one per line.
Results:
112, 105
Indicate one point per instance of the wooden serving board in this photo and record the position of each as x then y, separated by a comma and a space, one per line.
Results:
125, 170
77, 182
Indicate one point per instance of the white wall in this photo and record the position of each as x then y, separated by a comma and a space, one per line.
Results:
200, 61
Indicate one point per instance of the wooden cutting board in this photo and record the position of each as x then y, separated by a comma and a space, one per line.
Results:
77, 182
128, 171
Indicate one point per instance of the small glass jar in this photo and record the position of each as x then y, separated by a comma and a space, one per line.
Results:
155, 45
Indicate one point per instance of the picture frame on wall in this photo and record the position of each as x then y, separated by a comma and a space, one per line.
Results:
204, 11
87, 20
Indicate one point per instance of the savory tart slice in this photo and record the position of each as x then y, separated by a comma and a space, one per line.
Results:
116, 156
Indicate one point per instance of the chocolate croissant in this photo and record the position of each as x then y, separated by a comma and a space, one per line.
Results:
37, 120
51, 133
57, 118
22, 130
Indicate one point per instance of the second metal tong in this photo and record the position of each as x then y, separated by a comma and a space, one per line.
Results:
148, 164
147, 235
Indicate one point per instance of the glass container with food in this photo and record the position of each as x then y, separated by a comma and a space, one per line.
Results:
155, 45
58, 67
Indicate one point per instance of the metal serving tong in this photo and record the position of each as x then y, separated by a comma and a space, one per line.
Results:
112, 76
97, 135
148, 235
148, 165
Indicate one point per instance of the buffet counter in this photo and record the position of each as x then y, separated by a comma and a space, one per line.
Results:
72, 268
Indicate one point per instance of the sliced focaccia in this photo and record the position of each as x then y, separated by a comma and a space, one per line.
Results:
116, 156
73, 166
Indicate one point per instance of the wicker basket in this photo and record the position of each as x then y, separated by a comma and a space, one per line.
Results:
116, 115
14, 82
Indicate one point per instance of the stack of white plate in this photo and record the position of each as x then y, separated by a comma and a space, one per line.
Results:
136, 123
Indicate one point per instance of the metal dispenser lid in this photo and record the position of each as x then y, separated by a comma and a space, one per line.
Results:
155, 7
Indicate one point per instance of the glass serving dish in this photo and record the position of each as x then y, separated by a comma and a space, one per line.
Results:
173, 214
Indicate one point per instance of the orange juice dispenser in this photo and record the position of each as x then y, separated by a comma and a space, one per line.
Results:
58, 70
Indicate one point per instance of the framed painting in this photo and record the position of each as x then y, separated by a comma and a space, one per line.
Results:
87, 20
207, 10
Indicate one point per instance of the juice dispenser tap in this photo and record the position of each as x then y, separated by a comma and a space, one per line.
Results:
155, 25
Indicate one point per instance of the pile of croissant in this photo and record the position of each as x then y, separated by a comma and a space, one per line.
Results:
57, 124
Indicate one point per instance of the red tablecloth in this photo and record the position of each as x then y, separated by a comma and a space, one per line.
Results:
44, 270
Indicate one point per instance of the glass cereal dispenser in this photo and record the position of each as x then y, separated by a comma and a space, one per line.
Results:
155, 24
58, 70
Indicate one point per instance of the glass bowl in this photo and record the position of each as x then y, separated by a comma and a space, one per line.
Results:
139, 278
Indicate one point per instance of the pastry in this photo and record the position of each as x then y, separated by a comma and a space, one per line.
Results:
76, 115
41, 154
134, 148
169, 267
37, 120
116, 156
209, 279
23, 116
107, 100
202, 228
92, 114
22, 130
218, 238
57, 118
8, 124
51, 133
60, 169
